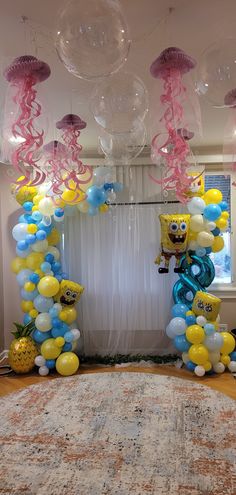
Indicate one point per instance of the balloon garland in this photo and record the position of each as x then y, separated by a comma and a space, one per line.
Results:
194, 327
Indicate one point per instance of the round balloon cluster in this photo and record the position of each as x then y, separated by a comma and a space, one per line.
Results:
204, 348
209, 219
48, 297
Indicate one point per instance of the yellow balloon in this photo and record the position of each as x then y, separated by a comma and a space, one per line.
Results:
49, 349
59, 341
32, 228
67, 364
68, 315
225, 214
54, 237
195, 334
72, 197
48, 286
103, 208
18, 264
29, 286
198, 354
25, 193
34, 260
218, 244
27, 306
221, 223
225, 359
229, 343
192, 236
37, 198
213, 196
207, 366
33, 313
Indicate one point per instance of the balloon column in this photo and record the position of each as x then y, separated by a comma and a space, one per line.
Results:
194, 327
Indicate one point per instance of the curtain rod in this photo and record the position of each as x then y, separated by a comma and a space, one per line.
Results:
146, 203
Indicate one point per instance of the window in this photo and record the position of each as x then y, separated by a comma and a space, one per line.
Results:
222, 260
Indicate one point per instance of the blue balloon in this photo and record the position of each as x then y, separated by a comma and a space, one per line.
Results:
67, 347
208, 251
64, 275
209, 328
56, 322
45, 267
27, 319
57, 332
34, 278
233, 356
65, 327
41, 235
212, 212
23, 276
56, 267
23, 254
49, 258
181, 343
58, 277
50, 363
29, 296
40, 337
96, 196
31, 238
28, 205
43, 304
23, 218
190, 320
179, 310
31, 219
54, 311
190, 366
36, 215
223, 206
46, 228
69, 337
22, 245
59, 212
216, 232
108, 186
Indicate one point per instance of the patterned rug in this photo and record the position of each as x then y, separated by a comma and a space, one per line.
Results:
117, 434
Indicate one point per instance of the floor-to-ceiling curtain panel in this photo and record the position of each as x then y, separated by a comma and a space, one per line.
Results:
126, 303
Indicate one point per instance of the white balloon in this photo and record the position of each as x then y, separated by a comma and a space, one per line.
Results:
43, 322
205, 239
19, 231
219, 368
201, 321
214, 357
199, 371
196, 206
193, 245
101, 175
76, 333
197, 223
46, 206
209, 226
169, 332
185, 357
232, 366
43, 371
40, 246
214, 341
40, 361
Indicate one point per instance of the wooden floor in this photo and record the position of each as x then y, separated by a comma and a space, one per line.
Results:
225, 383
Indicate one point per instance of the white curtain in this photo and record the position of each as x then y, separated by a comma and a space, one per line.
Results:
126, 303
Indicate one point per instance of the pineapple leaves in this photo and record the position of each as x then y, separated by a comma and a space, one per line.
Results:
23, 330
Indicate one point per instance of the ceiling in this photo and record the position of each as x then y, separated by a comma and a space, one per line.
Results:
192, 25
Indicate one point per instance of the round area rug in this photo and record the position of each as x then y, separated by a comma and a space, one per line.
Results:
117, 434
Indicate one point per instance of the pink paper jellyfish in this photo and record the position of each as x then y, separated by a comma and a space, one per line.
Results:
229, 146
170, 148
77, 172
52, 165
23, 74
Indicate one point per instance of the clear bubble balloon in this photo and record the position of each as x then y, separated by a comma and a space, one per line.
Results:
217, 72
119, 102
92, 38
123, 147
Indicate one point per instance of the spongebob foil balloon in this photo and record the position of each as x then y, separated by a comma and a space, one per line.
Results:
197, 186
69, 293
207, 305
174, 240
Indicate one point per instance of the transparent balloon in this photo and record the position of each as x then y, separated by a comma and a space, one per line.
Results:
92, 38
119, 102
216, 74
122, 148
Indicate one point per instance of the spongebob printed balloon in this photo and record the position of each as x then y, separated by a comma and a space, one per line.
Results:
174, 240
69, 293
197, 187
206, 305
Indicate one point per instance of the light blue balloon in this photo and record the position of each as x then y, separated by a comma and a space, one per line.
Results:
212, 212
23, 276
43, 304
181, 343
233, 356
29, 296
46, 267
96, 196
27, 318
209, 329
169, 332
179, 310
68, 336
40, 337
19, 232
23, 254
177, 326
214, 341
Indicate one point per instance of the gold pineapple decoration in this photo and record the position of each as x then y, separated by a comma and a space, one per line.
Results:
23, 349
